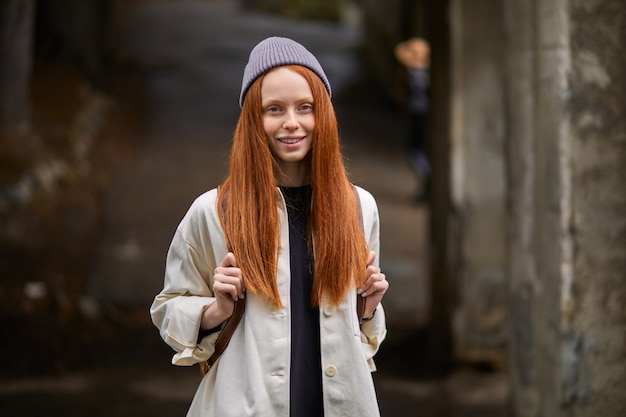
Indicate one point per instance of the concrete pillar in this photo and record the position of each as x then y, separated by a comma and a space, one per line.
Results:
566, 147
478, 180
523, 281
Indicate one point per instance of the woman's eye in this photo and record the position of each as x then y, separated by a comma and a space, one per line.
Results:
272, 109
306, 107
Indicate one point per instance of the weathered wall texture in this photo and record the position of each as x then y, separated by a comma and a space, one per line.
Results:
524, 283
566, 146
529, 192
478, 178
596, 313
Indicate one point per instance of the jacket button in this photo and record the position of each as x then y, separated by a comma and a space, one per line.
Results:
331, 370
329, 309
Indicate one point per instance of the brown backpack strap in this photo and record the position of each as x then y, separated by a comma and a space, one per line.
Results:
360, 307
227, 330
224, 337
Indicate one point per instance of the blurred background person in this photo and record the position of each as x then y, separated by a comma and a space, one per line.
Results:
414, 55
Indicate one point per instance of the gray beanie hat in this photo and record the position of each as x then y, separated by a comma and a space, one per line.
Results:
276, 52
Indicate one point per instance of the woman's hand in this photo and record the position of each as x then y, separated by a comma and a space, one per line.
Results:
374, 287
227, 288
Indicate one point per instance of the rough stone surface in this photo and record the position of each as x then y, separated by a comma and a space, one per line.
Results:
478, 179
566, 220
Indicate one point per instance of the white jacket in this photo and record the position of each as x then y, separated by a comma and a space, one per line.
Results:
251, 378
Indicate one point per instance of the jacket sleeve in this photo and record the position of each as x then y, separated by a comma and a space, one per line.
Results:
373, 332
187, 292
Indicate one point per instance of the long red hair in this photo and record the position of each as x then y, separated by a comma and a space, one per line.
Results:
249, 198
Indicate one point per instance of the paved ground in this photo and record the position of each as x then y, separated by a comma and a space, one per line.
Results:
189, 56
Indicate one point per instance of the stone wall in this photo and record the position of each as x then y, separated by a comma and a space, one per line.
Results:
567, 152
478, 179
528, 207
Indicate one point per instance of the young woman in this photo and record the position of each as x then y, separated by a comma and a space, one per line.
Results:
288, 233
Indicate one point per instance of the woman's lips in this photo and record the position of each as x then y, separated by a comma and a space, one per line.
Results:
291, 140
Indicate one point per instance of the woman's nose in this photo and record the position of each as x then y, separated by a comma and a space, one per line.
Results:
291, 121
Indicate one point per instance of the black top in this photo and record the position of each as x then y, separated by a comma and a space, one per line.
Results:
306, 369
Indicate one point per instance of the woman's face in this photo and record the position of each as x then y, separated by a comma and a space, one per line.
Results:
288, 120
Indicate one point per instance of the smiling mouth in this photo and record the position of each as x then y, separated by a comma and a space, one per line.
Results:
290, 141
